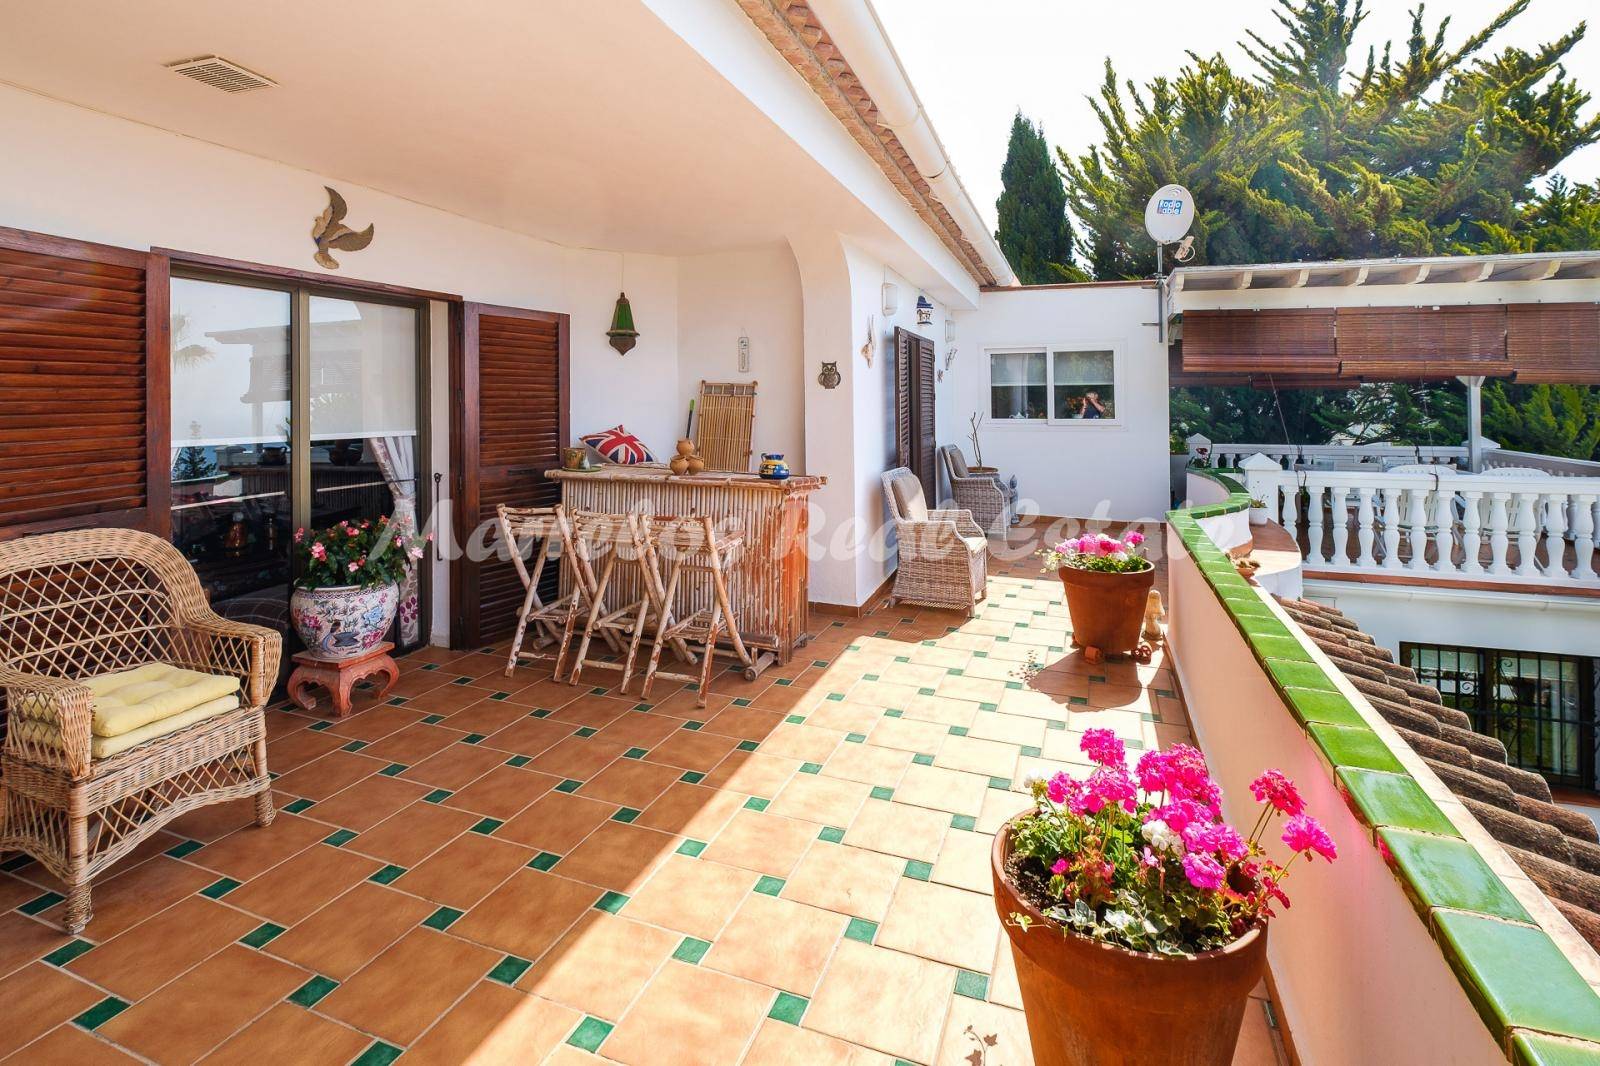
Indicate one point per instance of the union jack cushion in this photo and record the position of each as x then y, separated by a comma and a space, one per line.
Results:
617, 445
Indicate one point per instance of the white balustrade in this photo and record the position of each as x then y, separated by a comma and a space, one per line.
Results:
1336, 456
1522, 530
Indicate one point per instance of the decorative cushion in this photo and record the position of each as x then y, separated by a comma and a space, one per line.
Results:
105, 747
617, 445
127, 700
958, 462
908, 498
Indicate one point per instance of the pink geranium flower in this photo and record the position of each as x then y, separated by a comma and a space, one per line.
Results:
1103, 747
1274, 788
1133, 539
1059, 868
1110, 785
1304, 835
1203, 871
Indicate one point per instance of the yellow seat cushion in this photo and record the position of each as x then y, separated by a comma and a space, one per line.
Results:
129, 700
105, 747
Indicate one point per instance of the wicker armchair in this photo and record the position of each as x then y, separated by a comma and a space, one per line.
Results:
77, 604
981, 493
944, 555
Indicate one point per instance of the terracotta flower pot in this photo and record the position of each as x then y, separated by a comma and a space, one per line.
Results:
1107, 609
1093, 1004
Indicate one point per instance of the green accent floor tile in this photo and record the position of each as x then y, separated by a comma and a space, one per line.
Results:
988, 706
893, 712
378, 1054
811, 768
925, 692
590, 1034
692, 777
1517, 978
1001, 783
388, 875
831, 833
742, 702
462, 680
749, 745
611, 902
354, 745
918, 869
501, 696
625, 814
262, 934
691, 848
861, 929
836, 697
636, 753
299, 806
317, 727
541, 712
585, 731
569, 785
1031, 751
184, 847
1054, 724
394, 769
487, 826
508, 969
474, 738
788, 1007
691, 950
340, 839
443, 918
958, 730
439, 795
972, 985
39, 904
795, 719
922, 760
599, 690
1077, 701
312, 992
518, 761
545, 860
641, 707
756, 803
769, 885
963, 821
68, 951
398, 701
222, 886
880, 792
433, 719
100, 1013
692, 725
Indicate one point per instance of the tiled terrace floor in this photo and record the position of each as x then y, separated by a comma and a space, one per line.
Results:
500, 869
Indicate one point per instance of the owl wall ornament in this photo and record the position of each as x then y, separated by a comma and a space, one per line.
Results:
329, 232
829, 378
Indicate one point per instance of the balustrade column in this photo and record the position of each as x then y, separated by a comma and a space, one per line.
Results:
1314, 523
1364, 526
1499, 542
1417, 529
1583, 537
1391, 527
1527, 528
1471, 541
1443, 529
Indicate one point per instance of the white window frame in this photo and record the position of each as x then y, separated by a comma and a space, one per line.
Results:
1115, 347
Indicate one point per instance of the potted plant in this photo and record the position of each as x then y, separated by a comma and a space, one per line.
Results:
1258, 511
1137, 916
349, 585
1107, 581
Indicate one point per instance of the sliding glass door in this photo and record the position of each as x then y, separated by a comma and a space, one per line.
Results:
290, 407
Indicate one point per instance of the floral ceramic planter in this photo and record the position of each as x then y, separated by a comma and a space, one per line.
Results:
344, 621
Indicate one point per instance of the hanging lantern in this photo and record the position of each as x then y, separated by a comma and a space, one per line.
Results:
623, 335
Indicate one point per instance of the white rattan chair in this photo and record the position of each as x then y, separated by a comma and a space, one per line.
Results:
944, 555
981, 493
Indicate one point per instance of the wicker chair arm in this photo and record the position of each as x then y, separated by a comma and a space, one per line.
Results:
209, 642
935, 539
965, 524
48, 719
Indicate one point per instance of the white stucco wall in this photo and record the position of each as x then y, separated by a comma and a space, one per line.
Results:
1076, 469
752, 293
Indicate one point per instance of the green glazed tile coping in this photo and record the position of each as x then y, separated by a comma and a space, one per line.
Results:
1318, 705
1517, 978
1275, 642
1359, 747
1393, 800
1537, 1049
1289, 673
1448, 872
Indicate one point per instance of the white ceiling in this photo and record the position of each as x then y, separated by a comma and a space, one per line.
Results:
586, 122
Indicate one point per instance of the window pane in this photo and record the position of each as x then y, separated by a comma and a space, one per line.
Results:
1017, 401
1085, 384
1016, 368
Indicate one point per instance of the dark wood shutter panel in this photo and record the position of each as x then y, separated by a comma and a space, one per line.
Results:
1554, 343
904, 342
511, 416
914, 444
926, 466
83, 385
1423, 342
1296, 341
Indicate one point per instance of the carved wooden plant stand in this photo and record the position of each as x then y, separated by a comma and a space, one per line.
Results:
339, 677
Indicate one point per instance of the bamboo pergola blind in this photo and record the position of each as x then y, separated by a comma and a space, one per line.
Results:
724, 419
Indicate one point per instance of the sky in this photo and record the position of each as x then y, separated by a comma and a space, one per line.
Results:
975, 62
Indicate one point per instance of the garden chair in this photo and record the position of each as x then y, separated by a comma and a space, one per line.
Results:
944, 555
126, 701
980, 492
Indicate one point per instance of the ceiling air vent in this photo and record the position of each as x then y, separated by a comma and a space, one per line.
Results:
221, 74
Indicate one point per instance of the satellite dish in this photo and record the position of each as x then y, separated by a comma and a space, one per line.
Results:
1169, 214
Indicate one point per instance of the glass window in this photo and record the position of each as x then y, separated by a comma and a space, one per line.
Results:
1084, 384
1018, 388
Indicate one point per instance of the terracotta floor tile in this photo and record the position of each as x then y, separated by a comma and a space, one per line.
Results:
1003, 986
557, 822
884, 1000
579, 758
503, 792
595, 711
486, 717
842, 717
544, 693
753, 773
290, 1033
899, 829
205, 1006
964, 861
445, 699
455, 767
293, 750
124, 901
67, 1045
999, 806
154, 952
413, 744
943, 924
37, 998
465, 870
806, 742
349, 932
777, 942
906, 734
1007, 1028
848, 880
334, 772
399, 994
618, 856
693, 811
943, 789
642, 730
690, 749
991, 758
824, 800
880, 694
630, 783
368, 802
766, 843
942, 710
527, 914
913, 674
376, 723
494, 1024
681, 704
694, 896
530, 736
246, 852
980, 689
293, 889
408, 836
745, 723
1009, 728
780, 1044
414, 683
600, 966
868, 763
690, 1014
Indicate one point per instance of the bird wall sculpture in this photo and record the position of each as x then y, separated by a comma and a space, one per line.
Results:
329, 232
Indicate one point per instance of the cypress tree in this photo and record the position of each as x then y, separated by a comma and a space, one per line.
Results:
1034, 232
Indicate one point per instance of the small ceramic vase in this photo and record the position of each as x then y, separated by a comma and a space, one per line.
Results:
686, 448
678, 465
697, 465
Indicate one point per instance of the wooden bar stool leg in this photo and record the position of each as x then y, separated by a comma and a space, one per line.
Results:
594, 613
530, 602
709, 655
635, 632
661, 629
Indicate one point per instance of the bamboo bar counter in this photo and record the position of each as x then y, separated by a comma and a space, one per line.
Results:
771, 574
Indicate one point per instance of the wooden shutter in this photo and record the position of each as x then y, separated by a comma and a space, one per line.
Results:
83, 386
1422, 342
1292, 341
509, 424
1554, 343
904, 434
914, 443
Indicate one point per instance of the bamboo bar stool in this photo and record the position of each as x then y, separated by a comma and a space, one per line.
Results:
550, 527
621, 606
692, 550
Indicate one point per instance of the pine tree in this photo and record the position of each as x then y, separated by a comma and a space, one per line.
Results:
1034, 232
